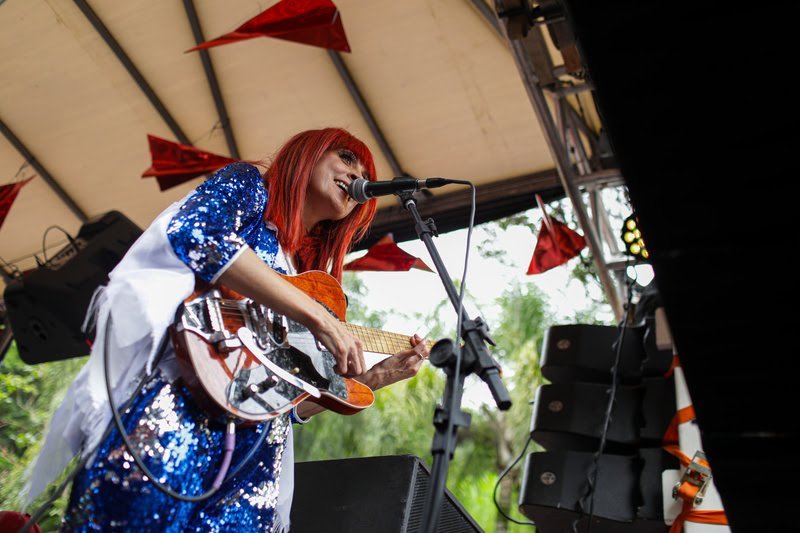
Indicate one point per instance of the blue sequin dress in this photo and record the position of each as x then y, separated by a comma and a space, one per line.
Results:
176, 439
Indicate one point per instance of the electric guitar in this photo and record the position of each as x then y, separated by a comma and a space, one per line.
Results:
240, 358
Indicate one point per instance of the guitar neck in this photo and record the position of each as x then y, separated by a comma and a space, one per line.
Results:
378, 341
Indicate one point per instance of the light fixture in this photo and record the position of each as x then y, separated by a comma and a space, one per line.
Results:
632, 237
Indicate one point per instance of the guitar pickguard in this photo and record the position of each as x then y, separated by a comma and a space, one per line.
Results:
234, 379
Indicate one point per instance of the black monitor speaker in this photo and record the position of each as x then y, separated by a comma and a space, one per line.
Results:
46, 306
385, 493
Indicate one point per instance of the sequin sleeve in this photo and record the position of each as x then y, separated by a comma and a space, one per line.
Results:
208, 232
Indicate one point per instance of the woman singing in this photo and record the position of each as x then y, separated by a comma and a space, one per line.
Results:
238, 229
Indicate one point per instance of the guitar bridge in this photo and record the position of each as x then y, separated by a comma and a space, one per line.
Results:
205, 316
228, 344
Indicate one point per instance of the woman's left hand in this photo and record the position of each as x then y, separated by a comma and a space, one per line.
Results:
397, 367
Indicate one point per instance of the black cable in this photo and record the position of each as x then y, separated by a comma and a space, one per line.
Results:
457, 371
69, 237
138, 460
595, 467
500, 478
463, 282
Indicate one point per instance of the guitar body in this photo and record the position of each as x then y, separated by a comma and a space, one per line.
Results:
226, 377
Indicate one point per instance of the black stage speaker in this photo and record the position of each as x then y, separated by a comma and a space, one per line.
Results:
46, 307
627, 496
586, 352
658, 361
381, 494
569, 416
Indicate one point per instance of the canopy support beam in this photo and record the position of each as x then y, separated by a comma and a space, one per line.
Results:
355, 93
148, 91
43, 172
213, 82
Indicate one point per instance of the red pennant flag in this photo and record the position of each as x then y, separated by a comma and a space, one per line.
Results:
314, 22
556, 244
14, 521
175, 163
8, 193
385, 255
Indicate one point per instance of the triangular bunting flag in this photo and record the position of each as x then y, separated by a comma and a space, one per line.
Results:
314, 22
385, 255
175, 163
8, 193
556, 244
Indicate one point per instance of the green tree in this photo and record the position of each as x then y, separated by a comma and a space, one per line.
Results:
524, 319
29, 394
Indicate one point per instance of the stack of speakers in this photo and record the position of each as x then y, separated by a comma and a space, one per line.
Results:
570, 481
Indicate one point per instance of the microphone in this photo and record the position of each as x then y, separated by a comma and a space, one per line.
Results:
362, 190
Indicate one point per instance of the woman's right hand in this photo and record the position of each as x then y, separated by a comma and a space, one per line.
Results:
346, 348
249, 276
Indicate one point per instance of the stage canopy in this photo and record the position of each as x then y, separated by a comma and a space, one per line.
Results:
432, 86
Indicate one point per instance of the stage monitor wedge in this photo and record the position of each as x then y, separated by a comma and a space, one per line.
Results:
365, 494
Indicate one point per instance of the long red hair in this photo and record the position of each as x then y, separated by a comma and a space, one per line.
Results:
287, 180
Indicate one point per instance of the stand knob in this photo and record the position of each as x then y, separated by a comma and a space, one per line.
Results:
443, 353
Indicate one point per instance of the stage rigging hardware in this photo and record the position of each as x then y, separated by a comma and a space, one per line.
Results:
577, 141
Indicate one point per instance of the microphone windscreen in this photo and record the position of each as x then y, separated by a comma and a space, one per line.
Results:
357, 190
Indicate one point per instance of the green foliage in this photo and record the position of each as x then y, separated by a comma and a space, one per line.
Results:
398, 423
28, 396
357, 310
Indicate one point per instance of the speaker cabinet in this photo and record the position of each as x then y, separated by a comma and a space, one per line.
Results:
658, 409
586, 353
555, 484
658, 360
570, 416
47, 306
385, 494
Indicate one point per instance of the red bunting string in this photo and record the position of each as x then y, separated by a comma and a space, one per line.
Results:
385, 255
314, 22
175, 163
8, 193
555, 245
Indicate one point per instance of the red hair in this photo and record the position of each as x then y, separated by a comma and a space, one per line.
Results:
287, 180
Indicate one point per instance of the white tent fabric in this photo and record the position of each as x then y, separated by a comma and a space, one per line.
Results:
440, 82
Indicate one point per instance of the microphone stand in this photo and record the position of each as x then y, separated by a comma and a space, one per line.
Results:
457, 363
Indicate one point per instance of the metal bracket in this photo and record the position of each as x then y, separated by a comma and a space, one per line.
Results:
697, 474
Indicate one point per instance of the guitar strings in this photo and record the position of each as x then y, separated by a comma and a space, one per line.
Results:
381, 341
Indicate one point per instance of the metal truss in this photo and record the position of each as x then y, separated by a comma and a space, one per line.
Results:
585, 165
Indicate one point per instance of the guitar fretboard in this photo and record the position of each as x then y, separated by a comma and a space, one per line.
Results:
379, 341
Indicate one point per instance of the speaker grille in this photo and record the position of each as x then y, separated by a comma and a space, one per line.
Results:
388, 492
